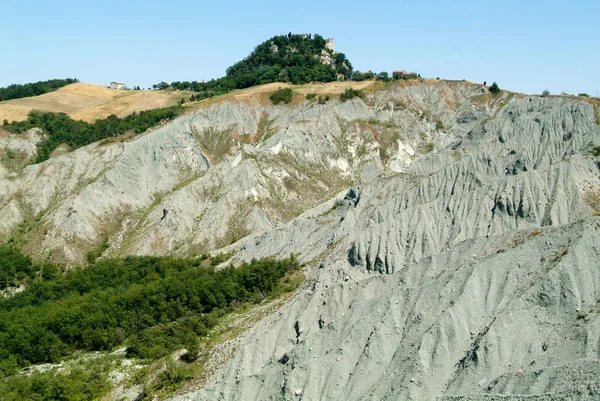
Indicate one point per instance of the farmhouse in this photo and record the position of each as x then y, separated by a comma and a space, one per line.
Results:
117, 85
401, 74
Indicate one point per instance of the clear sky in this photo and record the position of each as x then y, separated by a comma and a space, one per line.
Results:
526, 46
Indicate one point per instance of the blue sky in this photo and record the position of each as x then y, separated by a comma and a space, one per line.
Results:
526, 46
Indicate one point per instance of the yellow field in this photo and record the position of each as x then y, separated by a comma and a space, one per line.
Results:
261, 93
89, 102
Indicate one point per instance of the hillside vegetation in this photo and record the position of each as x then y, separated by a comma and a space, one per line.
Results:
290, 58
17, 91
152, 306
61, 129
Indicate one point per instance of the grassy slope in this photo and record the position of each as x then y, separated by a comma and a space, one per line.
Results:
88, 102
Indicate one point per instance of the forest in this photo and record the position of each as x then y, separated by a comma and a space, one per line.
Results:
17, 91
61, 129
15, 268
150, 305
285, 58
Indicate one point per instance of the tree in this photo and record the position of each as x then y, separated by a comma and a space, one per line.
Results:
494, 88
350, 93
545, 93
161, 86
384, 76
281, 96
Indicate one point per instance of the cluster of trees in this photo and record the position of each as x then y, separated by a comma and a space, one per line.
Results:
281, 96
350, 93
152, 305
400, 75
16, 268
79, 384
363, 76
33, 89
60, 128
285, 58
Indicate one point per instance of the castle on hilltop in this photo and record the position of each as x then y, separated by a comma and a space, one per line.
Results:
329, 44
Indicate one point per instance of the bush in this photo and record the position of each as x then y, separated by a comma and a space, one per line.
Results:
350, 93
281, 96
584, 95
383, 76
546, 93
311, 96
494, 88
79, 384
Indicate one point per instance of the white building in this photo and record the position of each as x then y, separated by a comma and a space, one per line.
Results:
117, 85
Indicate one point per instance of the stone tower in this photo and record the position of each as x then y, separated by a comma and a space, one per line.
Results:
329, 44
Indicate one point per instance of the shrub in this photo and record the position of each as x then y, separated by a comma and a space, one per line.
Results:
311, 96
494, 88
584, 95
281, 96
323, 99
383, 76
350, 93
546, 93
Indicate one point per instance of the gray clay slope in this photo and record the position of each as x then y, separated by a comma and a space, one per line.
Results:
472, 274
449, 236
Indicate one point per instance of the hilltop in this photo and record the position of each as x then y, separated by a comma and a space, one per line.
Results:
292, 58
88, 102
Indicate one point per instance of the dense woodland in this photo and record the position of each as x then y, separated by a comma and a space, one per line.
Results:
151, 305
285, 58
17, 91
16, 268
61, 129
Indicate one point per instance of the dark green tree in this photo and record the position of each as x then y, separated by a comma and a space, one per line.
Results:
383, 76
281, 96
494, 88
